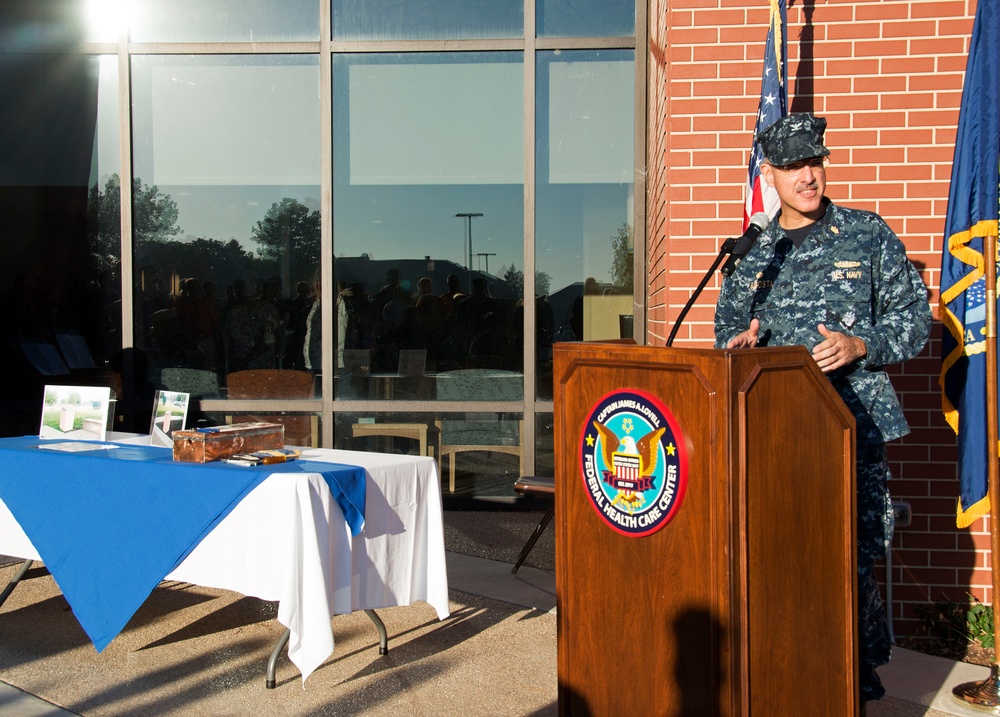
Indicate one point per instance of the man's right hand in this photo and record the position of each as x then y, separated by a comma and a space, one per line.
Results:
747, 339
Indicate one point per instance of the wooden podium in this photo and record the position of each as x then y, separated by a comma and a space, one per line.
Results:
744, 603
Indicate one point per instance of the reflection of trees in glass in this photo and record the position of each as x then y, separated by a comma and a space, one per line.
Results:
515, 279
154, 218
154, 215
289, 234
207, 259
623, 255
104, 225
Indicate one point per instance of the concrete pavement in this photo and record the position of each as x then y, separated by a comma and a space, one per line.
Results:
506, 621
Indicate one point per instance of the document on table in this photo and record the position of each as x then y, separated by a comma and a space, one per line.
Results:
77, 446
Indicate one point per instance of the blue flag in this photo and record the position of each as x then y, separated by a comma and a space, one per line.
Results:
773, 105
972, 220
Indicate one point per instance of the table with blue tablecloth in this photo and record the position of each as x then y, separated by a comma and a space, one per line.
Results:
335, 532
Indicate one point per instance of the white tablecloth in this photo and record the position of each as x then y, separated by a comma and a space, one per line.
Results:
287, 541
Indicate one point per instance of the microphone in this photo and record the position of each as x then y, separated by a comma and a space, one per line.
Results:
758, 223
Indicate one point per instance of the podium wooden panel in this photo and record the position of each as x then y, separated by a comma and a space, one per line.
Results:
744, 604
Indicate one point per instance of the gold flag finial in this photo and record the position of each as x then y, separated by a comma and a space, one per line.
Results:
778, 44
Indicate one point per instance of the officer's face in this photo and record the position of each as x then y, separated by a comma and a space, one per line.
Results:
800, 188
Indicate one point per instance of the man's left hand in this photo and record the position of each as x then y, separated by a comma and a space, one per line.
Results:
837, 350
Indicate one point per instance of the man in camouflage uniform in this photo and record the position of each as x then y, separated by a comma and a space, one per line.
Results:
838, 282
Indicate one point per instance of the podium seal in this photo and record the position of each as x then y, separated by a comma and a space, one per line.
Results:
633, 462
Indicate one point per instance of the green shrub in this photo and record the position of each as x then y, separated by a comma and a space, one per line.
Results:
969, 622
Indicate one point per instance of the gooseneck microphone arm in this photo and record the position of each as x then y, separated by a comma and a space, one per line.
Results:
727, 248
735, 248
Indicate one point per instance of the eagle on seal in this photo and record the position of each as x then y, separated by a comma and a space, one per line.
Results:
645, 448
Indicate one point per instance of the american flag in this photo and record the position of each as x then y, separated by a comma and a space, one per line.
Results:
773, 105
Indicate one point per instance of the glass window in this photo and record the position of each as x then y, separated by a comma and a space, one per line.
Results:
439, 20
61, 243
479, 454
402, 433
223, 21
226, 214
545, 450
584, 197
428, 221
51, 26
301, 430
482, 454
585, 18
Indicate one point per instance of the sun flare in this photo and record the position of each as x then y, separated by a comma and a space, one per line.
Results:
106, 19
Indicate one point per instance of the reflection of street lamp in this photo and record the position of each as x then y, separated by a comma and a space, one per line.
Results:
487, 254
468, 266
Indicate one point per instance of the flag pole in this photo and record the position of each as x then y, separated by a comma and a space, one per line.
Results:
992, 433
987, 692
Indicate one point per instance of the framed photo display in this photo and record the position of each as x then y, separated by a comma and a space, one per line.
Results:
170, 409
77, 412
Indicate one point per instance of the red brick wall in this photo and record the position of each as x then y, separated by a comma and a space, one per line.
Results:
888, 77
657, 166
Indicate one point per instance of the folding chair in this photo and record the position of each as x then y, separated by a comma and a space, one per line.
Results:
537, 486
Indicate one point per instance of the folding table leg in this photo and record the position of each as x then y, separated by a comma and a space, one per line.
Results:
272, 661
383, 638
14, 581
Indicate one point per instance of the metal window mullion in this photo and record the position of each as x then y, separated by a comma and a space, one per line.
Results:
271, 405
126, 265
224, 48
424, 406
326, 252
391, 46
640, 291
529, 316
588, 43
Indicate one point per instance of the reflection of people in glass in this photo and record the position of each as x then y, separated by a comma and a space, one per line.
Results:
312, 342
576, 317
397, 330
424, 297
430, 320
238, 328
472, 314
392, 310
388, 292
154, 297
295, 332
357, 317
270, 326
254, 328
447, 300
199, 322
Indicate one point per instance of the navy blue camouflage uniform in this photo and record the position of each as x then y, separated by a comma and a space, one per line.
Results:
851, 273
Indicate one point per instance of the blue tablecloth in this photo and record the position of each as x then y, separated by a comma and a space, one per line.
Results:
111, 524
